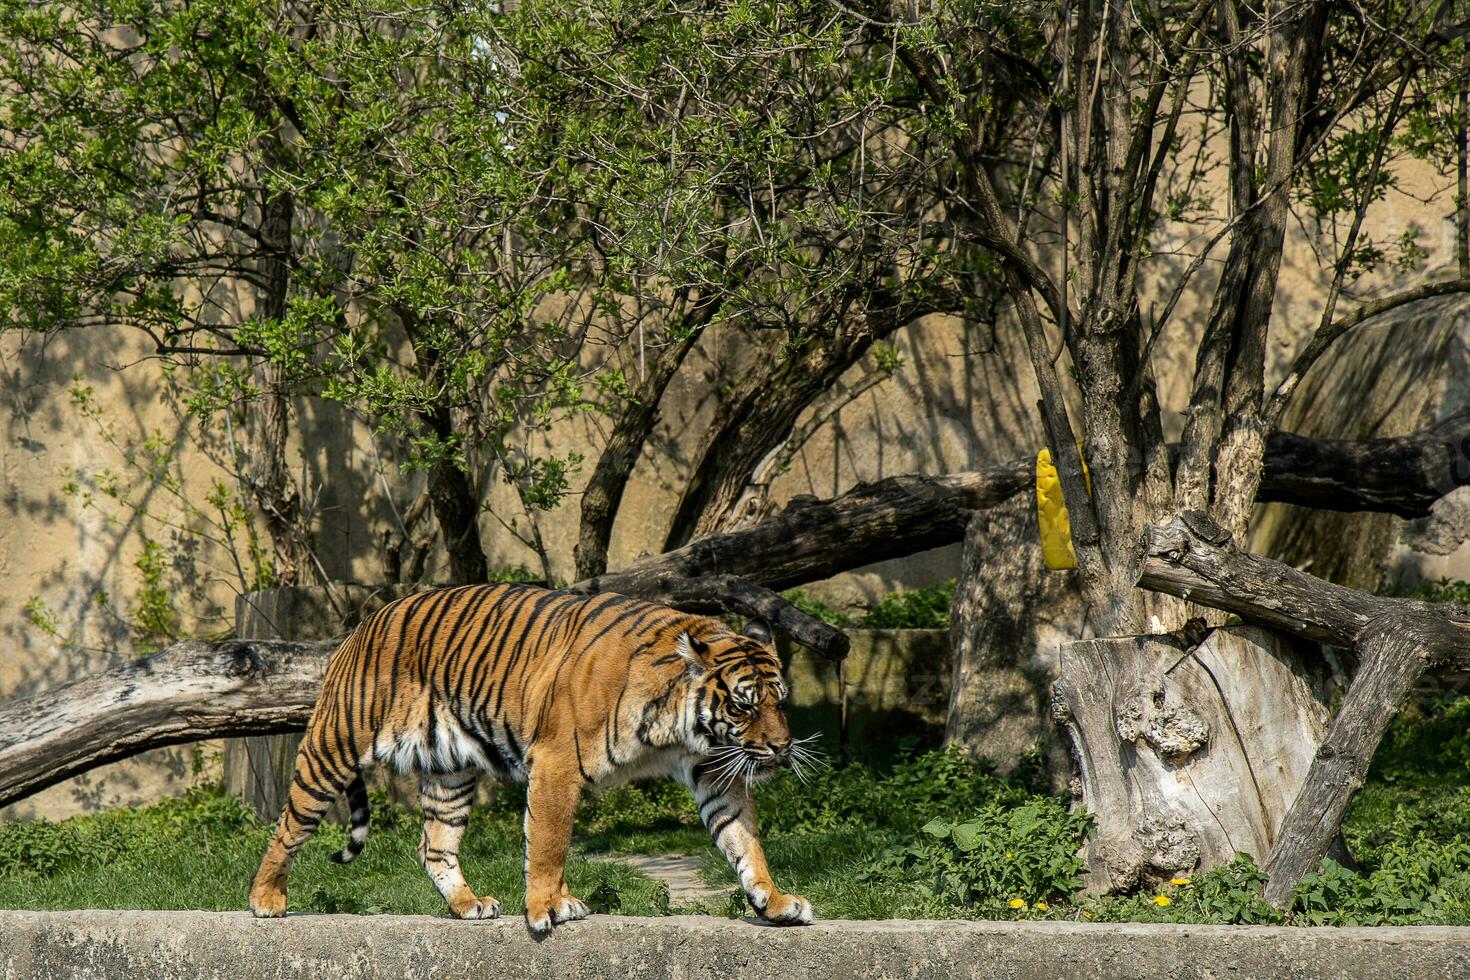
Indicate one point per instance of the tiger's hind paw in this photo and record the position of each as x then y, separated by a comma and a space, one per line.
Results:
787, 910
542, 917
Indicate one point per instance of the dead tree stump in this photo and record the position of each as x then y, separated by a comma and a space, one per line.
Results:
1188, 755
1394, 641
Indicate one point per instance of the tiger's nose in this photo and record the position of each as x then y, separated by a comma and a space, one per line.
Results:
781, 749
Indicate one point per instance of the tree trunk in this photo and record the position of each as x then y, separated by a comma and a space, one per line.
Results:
1391, 660
1188, 755
452, 494
603, 494
1008, 620
745, 431
258, 768
270, 480
1402, 475
457, 509
761, 416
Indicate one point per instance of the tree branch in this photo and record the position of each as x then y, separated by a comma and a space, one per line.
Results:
191, 691
1328, 333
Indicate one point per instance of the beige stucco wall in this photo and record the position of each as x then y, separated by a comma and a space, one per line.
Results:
965, 396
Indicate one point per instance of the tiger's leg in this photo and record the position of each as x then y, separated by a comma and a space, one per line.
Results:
729, 814
446, 799
320, 776
551, 805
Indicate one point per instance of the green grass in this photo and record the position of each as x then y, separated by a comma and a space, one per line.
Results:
199, 852
890, 833
901, 833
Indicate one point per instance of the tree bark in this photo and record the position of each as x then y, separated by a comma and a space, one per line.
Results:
726, 593
1181, 760
1402, 475
1008, 620
603, 494
1178, 559
1391, 658
457, 510
189, 692
815, 539
452, 494
762, 415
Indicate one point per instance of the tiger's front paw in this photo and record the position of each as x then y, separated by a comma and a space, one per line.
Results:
541, 916
268, 900
787, 910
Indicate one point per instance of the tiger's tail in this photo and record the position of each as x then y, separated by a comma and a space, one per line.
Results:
357, 799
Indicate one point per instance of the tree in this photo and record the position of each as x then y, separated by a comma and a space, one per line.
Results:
728, 182
1309, 106
469, 223
139, 190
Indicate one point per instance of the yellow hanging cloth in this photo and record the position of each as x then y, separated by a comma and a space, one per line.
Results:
1051, 513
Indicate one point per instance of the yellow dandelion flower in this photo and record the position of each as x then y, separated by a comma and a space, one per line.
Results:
1009, 855
1162, 900
1018, 903
1042, 906
1178, 881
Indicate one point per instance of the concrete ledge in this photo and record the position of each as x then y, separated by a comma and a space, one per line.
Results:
161, 945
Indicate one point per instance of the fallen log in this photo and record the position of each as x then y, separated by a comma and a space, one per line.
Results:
815, 539
1395, 640
1403, 475
197, 690
256, 687
191, 691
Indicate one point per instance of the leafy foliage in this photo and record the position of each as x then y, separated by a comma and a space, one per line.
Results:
902, 609
912, 609
995, 857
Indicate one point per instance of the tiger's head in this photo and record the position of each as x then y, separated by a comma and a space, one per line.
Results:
739, 697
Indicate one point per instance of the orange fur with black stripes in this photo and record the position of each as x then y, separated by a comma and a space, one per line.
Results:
562, 690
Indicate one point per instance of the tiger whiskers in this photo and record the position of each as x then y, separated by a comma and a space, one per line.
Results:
726, 763
745, 767
808, 762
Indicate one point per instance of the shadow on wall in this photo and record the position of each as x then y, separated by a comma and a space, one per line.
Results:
78, 501
964, 399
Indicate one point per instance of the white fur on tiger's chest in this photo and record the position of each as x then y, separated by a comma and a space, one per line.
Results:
651, 763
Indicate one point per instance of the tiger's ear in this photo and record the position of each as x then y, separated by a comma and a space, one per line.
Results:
692, 651
758, 630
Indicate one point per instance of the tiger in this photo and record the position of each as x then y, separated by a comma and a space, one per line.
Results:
562, 691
